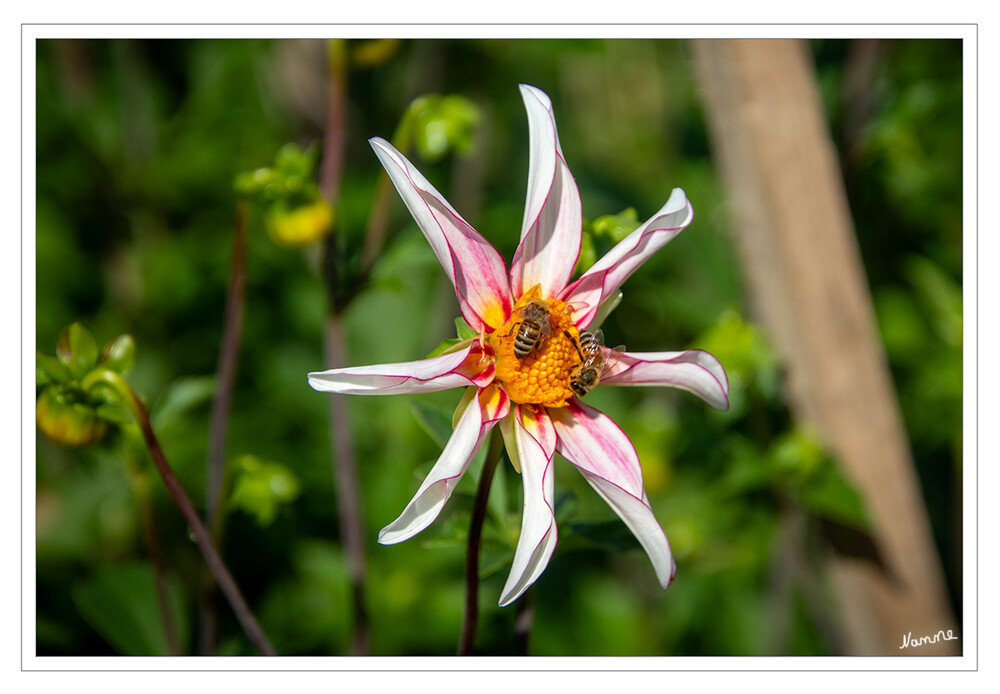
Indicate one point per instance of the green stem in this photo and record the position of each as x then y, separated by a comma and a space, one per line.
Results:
471, 617
201, 535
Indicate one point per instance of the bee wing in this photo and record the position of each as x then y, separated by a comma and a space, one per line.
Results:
611, 357
598, 336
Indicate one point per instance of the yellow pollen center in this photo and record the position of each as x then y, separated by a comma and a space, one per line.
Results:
542, 376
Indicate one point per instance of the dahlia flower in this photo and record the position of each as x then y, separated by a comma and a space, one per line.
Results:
535, 398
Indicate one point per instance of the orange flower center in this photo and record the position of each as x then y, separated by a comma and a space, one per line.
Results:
534, 359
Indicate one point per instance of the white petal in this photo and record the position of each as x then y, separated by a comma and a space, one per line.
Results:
552, 225
427, 503
422, 376
638, 516
608, 273
694, 370
538, 522
474, 266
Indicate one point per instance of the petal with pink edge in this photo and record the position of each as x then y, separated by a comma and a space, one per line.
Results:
423, 376
608, 273
605, 457
474, 266
694, 370
536, 445
638, 516
551, 229
592, 441
474, 423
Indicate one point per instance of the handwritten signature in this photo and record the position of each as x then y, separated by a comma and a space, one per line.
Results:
909, 641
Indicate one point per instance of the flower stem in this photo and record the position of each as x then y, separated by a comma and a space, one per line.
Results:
345, 472
348, 489
225, 377
468, 637
201, 536
140, 485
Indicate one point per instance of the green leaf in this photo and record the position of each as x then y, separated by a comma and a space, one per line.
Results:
435, 421
444, 346
181, 396
611, 535
48, 369
464, 330
261, 487
616, 227
77, 349
120, 603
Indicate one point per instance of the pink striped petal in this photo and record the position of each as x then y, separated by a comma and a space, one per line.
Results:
607, 460
536, 445
551, 230
474, 423
608, 273
695, 371
474, 266
593, 442
454, 370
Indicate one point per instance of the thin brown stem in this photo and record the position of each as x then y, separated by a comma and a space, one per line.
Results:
335, 354
348, 488
336, 120
225, 377
471, 616
140, 484
201, 535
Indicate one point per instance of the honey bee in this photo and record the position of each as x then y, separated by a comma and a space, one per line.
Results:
593, 364
533, 327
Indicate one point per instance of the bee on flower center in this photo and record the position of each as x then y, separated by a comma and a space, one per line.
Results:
593, 365
532, 329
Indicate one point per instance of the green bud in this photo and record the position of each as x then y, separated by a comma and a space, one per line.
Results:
373, 53
66, 422
119, 354
77, 349
251, 183
443, 124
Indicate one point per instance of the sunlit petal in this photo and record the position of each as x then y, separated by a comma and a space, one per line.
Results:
551, 229
593, 442
694, 370
423, 376
638, 516
536, 445
608, 273
474, 266
471, 429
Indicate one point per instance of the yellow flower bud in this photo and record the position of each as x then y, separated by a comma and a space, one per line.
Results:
301, 225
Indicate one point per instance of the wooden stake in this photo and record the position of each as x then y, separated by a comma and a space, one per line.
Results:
807, 287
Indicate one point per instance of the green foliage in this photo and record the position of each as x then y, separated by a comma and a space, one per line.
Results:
260, 488
145, 148
120, 603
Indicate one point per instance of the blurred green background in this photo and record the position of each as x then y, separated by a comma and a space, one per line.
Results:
138, 146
